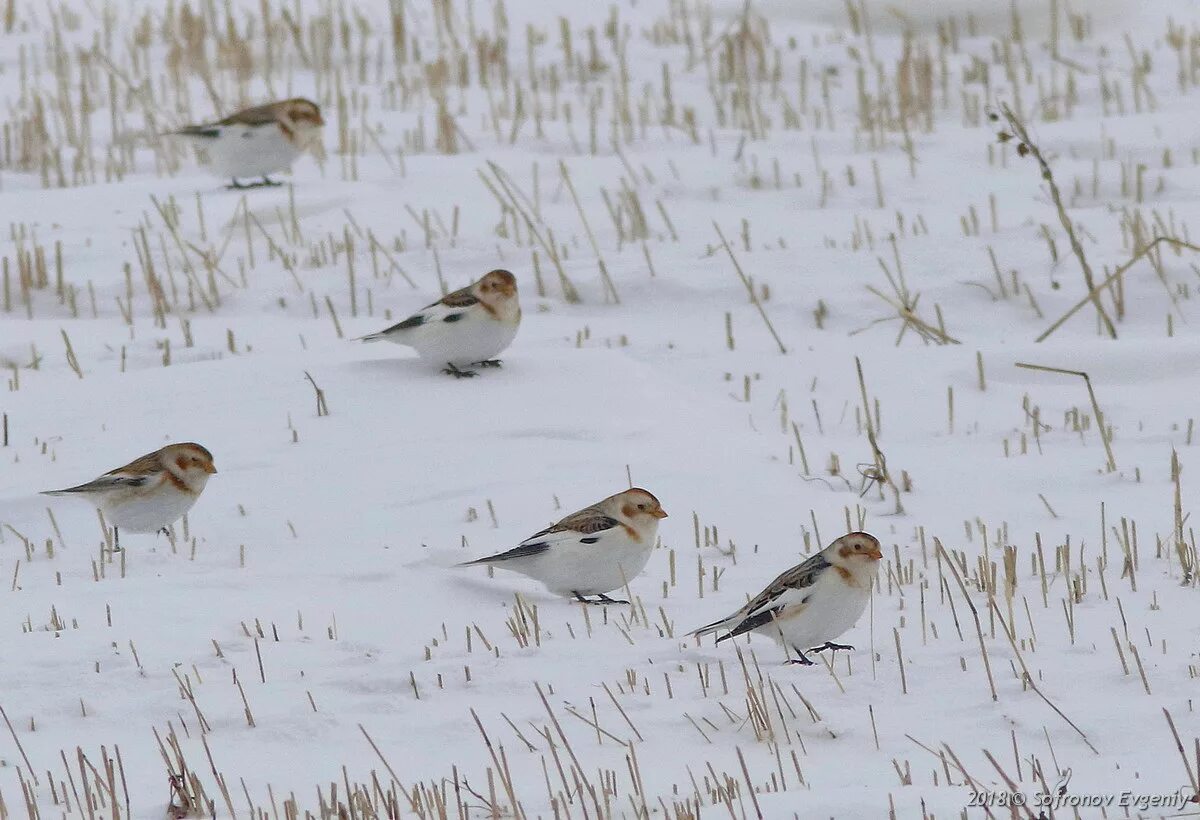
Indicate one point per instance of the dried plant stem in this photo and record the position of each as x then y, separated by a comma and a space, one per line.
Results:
750, 289
1029, 681
322, 407
1020, 132
937, 543
1112, 462
1113, 277
17, 741
881, 470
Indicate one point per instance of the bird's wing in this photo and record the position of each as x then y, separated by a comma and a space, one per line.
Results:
450, 308
202, 131
258, 115
142, 466
134, 474
520, 551
587, 526
108, 481
791, 587
461, 298
587, 521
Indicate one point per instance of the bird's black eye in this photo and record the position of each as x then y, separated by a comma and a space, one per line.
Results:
641, 506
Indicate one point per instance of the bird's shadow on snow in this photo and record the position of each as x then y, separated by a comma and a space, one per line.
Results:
416, 369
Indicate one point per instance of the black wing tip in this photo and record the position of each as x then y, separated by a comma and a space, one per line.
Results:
522, 551
206, 131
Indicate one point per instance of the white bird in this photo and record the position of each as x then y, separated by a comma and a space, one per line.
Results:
468, 327
150, 492
258, 141
808, 606
590, 552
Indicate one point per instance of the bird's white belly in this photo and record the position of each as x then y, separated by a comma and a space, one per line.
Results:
474, 338
829, 613
587, 569
147, 512
250, 151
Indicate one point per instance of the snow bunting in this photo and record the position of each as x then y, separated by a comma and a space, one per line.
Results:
590, 552
808, 606
470, 326
258, 141
150, 492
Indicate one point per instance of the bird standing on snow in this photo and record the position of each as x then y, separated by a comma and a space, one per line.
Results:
150, 492
808, 606
258, 141
590, 552
468, 327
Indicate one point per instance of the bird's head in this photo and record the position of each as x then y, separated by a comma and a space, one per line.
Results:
857, 552
496, 287
189, 462
638, 508
301, 112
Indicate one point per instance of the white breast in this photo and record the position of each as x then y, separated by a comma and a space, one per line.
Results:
250, 151
831, 609
147, 509
570, 566
475, 337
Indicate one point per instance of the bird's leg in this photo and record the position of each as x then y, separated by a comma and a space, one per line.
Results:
270, 183
834, 646
165, 531
488, 363
801, 658
234, 185
451, 370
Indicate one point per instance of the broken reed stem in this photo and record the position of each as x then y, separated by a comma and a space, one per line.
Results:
1113, 277
20, 748
322, 407
1182, 753
1022, 134
71, 360
1112, 462
880, 459
749, 289
1029, 676
570, 293
937, 544
608, 283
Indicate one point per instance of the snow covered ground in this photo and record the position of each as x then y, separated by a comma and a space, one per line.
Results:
303, 645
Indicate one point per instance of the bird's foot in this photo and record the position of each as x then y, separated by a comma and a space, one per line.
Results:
802, 660
488, 363
265, 182
599, 599
834, 646
164, 531
451, 370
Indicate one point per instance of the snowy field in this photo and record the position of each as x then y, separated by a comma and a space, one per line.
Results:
779, 262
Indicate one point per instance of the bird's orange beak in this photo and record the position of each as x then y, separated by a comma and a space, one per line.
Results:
875, 554
659, 512
210, 468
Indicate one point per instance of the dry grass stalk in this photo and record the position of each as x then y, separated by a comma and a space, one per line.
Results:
322, 407
1115, 277
750, 289
1104, 432
1020, 132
